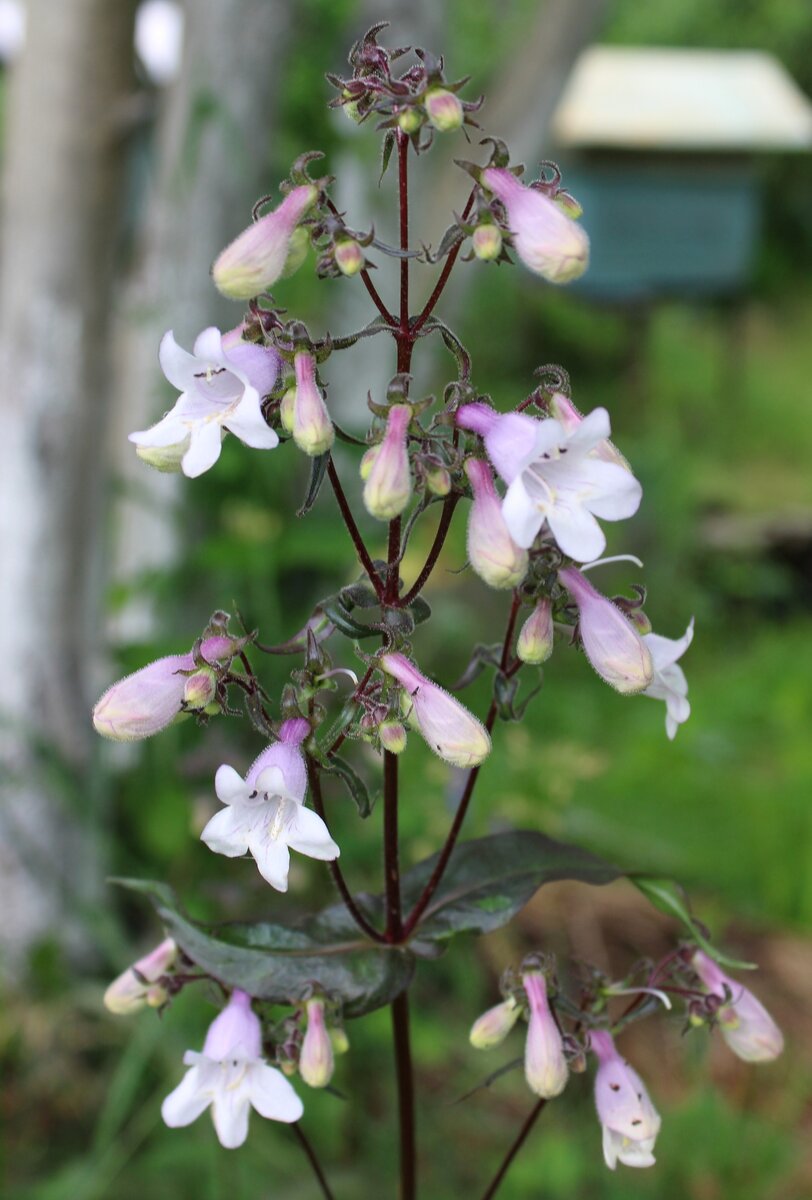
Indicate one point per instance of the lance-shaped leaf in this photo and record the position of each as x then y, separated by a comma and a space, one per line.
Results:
318, 469
672, 900
489, 879
278, 963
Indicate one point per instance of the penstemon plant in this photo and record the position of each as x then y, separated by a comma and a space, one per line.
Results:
540, 479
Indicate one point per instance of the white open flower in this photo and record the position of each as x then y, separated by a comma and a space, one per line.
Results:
221, 386
669, 682
264, 814
231, 1077
629, 1119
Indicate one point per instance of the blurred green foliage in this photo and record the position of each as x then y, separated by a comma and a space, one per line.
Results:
710, 403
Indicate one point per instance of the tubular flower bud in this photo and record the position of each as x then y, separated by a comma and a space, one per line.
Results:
669, 681
545, 1067
147, 701
487, 242
629, 1119
393, 736
438, 480
312, 428
448, 728
258, 256
138, 985
494, 1025
535, 641
491, 550
264, 814
547, 241
232, 1077
349, 256
388, 485
200, 690
611, 643
316, 1063
746, 1026
443, 109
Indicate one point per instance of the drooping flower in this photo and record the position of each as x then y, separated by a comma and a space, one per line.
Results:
535, 641
443, 109
555, 476
147, 701
630, 1121
221, 385
449, 729
611, 643
746, 1026
312, 428
388, 486
545, 1067
264, 813
493, 1026
548, 242
258, 256
492, 552
139, 985
316, 1062
669, 682
232, 1077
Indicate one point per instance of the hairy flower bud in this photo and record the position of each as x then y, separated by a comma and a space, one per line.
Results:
547, 241
388, 486
491, 550
348, 255
316, 1063
535, 641
338, 1036
611, 643
410, 120
200, 690
746, 1026
393, 736
629, 1119
312, 428
147, 701
494, 1025
487, 241
438, 480
448, 728
138, 985
545, 1067
443, 109
287, 406
260, 254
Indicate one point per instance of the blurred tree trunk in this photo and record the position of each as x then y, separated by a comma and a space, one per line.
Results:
62, 188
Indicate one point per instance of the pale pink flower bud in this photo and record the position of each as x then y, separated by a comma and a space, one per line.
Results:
487, 242
443, 109
494, 1025
393, 736
630, 1121
535, 641
746, 1026
200, 690
410, 120
147, 701
287, 406
491, 550
368, 461
312, 428
563, 409
545, 1067
138, 985
448, 728
338, 1036
349, 256
611, 643
316, 1063
257, 257
438, 480
388, 486
547, 241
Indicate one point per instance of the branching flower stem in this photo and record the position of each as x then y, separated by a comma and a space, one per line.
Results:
353, 530
444, 274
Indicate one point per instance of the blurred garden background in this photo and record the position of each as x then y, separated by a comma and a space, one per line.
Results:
123, 176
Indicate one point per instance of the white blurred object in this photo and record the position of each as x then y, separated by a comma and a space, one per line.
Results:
159, 39
638, 97
12, 29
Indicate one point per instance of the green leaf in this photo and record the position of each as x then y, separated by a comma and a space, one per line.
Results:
344, 623
278, 963
420, 610
353, 782
318, 469
489, 879
670, 898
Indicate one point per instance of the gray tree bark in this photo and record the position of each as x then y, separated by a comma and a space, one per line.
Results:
64, 147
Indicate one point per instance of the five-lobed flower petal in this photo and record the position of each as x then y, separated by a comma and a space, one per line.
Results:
669, 682
629, 1119
221, 386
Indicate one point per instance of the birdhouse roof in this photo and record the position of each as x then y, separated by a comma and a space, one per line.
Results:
662, 99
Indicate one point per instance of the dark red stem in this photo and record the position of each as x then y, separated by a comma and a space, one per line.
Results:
353, 530
449, 504
304, 1142
390, 848
444, 274
513, 1151
405, 1085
